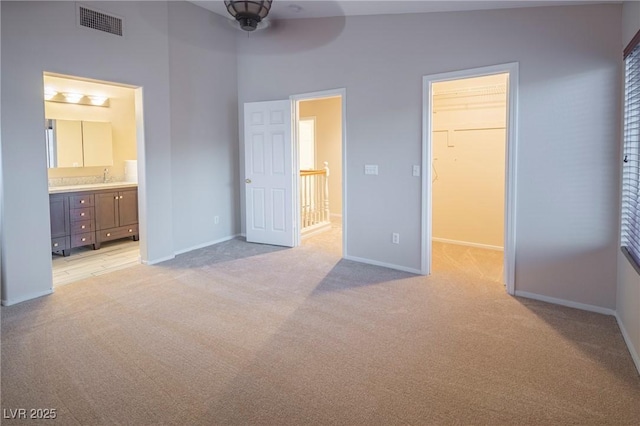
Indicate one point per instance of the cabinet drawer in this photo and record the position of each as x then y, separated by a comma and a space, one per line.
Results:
82, 226
80, 201
61, 243
115, 233
85, 213
83, 239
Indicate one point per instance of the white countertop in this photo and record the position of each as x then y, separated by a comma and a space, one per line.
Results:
91, 187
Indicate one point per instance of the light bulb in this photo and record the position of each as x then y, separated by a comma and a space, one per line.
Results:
49, 94
98, 100
73, 97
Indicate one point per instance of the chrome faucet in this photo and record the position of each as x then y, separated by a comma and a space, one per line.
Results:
105, 176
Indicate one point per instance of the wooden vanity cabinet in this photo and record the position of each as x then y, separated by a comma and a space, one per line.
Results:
91, 217
117, 215
60, 226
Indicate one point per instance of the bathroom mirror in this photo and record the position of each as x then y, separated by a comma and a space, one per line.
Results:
75, 143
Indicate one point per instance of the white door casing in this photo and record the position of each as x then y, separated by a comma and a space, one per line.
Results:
511, 156
269, 173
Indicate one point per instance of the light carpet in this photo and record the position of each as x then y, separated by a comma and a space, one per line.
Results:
241, 333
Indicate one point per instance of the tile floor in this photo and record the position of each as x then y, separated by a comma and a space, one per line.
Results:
84, 262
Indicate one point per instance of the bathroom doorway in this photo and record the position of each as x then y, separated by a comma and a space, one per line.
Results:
91, 136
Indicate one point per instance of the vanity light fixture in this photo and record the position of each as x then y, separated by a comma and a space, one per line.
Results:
74, 98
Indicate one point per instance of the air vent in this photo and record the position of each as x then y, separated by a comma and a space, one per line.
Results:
100, 21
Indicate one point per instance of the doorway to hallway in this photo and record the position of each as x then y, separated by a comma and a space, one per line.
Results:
319, 145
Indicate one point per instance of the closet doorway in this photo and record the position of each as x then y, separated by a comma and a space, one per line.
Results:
469, 173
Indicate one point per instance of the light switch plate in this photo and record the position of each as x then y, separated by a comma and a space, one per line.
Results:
370, 169
416, 170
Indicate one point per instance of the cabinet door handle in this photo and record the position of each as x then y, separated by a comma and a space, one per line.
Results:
121, 197
81, 201
115, 198
55, 244
130, 230
82, 214
84, 239
108, 234
83, 226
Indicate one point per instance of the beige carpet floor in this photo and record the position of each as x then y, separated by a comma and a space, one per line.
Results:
240, 333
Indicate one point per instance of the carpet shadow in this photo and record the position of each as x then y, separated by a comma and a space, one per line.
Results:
595, 335
347, 274
235, 249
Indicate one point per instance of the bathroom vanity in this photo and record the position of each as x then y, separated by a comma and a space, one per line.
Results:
91, 214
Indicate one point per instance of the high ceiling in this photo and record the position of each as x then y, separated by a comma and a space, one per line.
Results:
293, 9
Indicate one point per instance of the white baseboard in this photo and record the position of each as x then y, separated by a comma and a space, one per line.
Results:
567, 303
10, 302
385, 265
156, 261
467, 243
627, 340
207, 244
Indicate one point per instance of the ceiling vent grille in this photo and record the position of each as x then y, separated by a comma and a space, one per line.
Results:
96, 20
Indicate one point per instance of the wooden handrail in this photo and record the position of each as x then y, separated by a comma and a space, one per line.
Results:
312, 172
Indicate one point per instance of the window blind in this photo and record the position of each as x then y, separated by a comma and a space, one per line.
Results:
630, 231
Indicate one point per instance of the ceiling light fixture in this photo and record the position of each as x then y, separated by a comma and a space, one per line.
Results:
248, 13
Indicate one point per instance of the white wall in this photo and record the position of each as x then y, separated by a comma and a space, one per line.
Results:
628, 289
1, 187
568, 168
43, 36
204, 132
630, 20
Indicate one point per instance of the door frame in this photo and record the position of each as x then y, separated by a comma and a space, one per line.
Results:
510, 164
295, 99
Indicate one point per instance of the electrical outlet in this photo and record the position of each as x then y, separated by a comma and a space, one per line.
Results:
216, 220
395, 238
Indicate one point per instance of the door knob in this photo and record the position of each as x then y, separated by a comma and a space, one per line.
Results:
247, 180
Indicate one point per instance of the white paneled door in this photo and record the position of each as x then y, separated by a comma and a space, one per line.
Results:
269, 173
